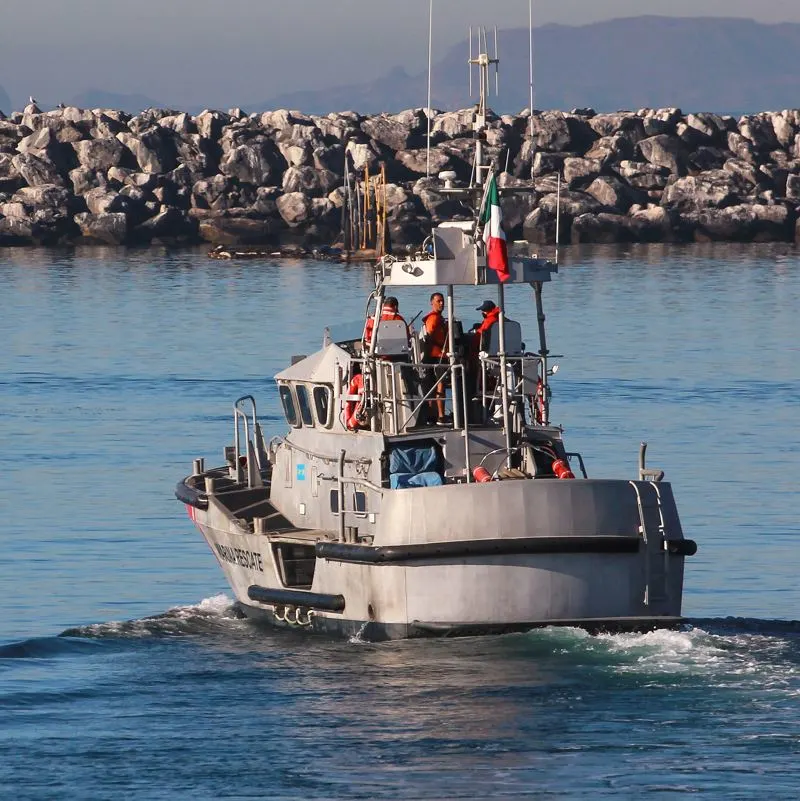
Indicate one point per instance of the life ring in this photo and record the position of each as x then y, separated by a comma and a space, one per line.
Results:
354, 407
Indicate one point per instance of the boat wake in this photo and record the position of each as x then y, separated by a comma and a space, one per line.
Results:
209, 615
212, 615
732, 653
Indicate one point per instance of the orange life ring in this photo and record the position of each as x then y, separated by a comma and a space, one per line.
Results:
355, 403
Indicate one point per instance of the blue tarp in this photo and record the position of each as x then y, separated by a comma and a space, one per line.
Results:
414, 465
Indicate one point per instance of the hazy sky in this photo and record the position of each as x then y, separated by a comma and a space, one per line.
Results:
228, 52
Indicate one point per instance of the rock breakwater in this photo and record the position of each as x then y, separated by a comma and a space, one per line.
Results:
72, 175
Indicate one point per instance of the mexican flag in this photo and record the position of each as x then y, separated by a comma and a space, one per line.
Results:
493, 234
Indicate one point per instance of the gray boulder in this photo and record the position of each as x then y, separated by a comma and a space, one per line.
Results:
715, 189
786, 125
572, 204
83, 179
666, 151
653, 224
602, 228
363, 155
168, 225
153, 152
211, 123
397, 131
614, 193
310, 181
741, 147
103, 201
35, 170
252, 163
663, 121
437, 205
452, 124
611, 149
212, 193
744, 170
110, 229
611, 125
642, 175
99, 154
711, 128
547, 163
758, 129
580, 172
416, 161
43, 196
339, 127
558, 132
707, 158
223, 228
329, 157
540, 228
295, 208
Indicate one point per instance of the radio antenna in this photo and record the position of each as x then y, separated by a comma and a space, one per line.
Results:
483, 62
430, 59
530, 73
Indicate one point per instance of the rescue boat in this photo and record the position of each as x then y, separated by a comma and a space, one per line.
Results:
369, 517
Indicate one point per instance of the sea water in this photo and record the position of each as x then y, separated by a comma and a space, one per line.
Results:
125, 674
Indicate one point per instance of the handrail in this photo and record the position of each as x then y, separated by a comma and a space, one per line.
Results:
241, 414
324, 458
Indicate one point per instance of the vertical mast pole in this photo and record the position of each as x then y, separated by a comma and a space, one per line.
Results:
540, 319
430, 67
530, 73
501, 322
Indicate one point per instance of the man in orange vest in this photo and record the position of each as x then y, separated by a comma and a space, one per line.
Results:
434, 348
389, 311
478, 341
491, 314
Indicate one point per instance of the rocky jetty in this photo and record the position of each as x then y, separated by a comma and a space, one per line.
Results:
72, 175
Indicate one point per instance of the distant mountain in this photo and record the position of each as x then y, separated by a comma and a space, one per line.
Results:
730, 66
97, 98
5, 101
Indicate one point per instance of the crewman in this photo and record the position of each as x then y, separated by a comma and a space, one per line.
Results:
479, 341
389, 311
433, 338
491, 314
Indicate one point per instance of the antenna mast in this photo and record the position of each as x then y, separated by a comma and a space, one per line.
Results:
430, 67
483, 62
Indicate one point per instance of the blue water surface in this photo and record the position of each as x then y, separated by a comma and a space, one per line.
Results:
125, 674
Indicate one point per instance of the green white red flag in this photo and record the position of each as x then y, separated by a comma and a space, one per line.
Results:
493, 234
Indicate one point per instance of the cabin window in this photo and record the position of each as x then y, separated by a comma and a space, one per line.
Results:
305, 406
360, 504
287, 401
322, 404
335, 501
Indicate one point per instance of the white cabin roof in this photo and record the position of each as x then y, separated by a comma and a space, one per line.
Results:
318, 368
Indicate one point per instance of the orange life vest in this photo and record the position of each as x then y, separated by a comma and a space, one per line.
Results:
436, 334
387, 313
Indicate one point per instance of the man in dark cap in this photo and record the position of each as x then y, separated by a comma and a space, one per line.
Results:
491, 313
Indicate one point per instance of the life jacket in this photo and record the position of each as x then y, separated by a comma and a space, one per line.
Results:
387, 313
491, 318
434, 328
476, 342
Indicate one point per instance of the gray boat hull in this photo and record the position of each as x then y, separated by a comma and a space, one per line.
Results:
466, 559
